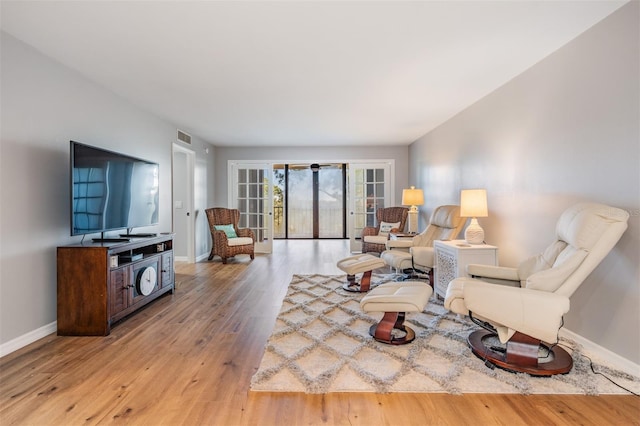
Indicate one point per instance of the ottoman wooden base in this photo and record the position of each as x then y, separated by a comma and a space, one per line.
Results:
383, 331
361, 263
395, 300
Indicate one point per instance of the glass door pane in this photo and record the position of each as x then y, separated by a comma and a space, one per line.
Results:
279, 202
300, 202
331, 201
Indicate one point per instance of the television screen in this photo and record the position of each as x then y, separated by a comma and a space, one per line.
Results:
111, 191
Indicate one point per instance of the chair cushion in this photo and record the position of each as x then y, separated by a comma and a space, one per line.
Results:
423, 256
408, 296
360, 263
397, 259
551, 279
536, 313
229, 230
240, 241
540, 262
386, 227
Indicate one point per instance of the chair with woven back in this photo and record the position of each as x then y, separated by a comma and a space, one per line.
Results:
228, 239
388, 219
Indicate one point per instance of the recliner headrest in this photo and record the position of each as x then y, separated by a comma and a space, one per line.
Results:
583, 224
446, 216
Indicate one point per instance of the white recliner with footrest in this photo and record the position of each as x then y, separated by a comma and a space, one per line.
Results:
445, 224
522, 318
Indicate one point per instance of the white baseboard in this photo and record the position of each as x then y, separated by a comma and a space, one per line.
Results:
26, 339
598, 353
186, 259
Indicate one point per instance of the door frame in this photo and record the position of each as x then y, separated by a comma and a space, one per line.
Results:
190, 221
266, 245
355, 244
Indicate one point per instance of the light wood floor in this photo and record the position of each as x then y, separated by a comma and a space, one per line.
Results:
189, 357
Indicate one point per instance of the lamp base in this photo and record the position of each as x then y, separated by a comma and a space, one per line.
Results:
412, 225
474, 234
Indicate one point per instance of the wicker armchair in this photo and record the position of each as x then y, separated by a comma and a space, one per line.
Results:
223, 245
372, 240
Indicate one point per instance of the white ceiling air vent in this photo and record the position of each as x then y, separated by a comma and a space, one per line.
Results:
184, 137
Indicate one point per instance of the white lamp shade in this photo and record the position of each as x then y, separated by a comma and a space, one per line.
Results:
473, 203
412, 197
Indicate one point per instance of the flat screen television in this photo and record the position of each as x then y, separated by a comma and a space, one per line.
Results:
111, 191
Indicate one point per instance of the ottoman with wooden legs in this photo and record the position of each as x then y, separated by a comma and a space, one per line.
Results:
395, 300
360, 263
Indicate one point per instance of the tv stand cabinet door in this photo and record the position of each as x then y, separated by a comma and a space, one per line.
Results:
167, 269
120, 287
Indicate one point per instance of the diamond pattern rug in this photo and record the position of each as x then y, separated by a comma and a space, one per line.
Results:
321, 343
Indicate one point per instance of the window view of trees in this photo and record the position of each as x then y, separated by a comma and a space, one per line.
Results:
308, 204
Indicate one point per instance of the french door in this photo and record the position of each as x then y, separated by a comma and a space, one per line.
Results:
250, 191
369, 189
310, 200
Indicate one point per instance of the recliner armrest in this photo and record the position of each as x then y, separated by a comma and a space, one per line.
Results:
402, 243
491, 271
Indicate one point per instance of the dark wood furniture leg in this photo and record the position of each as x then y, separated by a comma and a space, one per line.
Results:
383, 331
362, 287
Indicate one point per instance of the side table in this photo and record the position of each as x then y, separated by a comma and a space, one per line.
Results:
452, 258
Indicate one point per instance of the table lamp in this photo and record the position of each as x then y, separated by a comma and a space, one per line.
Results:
413, 197
473, 204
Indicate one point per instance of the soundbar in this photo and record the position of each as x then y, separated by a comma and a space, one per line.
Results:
111, 240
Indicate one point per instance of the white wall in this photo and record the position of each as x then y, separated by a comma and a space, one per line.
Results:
44, 105
317, 154
564, 131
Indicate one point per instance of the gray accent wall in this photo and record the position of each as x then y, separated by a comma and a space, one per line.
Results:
564, 131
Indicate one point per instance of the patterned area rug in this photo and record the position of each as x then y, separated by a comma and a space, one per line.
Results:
321, 344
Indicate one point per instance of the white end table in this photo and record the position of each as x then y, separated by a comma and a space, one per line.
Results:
452, 258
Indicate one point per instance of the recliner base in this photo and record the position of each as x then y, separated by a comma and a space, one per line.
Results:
521, 354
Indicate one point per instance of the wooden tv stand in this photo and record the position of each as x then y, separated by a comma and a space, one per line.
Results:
101, 283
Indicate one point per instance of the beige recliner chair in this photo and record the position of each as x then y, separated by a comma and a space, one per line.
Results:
445, 224
522, 318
